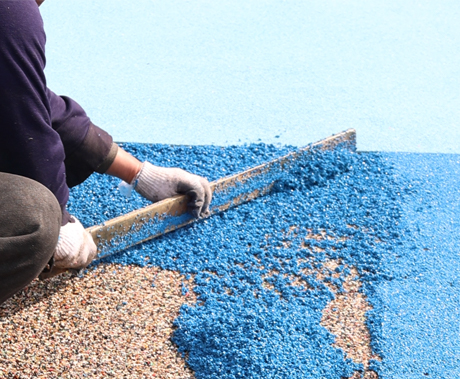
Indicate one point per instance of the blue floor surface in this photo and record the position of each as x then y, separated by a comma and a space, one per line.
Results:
421, 324
400, 214
291, 72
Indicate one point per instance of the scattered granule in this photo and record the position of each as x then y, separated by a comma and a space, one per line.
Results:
113, 322
345, 317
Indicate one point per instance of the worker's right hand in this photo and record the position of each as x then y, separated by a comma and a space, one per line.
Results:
75, 248
157, 183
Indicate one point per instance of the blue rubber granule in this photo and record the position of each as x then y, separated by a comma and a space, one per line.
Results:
393, 217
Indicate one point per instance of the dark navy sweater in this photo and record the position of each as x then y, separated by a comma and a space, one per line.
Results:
43, 136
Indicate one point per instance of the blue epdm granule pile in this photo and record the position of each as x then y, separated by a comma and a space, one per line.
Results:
393, 217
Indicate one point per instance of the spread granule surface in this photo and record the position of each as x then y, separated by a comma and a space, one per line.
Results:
109, 323
336, 273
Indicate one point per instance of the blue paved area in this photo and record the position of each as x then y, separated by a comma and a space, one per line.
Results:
421, 303
400, 215
289, 72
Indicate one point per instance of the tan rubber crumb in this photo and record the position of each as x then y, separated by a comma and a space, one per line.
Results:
110, 323
345, 317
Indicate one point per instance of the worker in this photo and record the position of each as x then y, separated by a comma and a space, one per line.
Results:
47, 145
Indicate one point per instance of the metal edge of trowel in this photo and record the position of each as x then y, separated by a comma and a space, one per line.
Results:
108, 235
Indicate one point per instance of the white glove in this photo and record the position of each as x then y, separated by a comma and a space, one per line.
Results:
157, 183
75, 248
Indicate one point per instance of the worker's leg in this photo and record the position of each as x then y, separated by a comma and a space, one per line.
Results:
30, 220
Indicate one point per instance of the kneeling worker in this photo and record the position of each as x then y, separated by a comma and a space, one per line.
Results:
48, 144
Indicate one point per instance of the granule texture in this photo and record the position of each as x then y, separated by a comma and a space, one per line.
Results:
251, 320
113, 322
349, 268
260, 302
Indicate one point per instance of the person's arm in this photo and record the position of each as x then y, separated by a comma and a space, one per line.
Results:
124, 166
157, 183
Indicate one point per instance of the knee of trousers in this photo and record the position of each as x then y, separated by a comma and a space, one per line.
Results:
30, 220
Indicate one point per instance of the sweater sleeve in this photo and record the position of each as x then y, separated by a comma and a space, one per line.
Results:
88, 148
29, 146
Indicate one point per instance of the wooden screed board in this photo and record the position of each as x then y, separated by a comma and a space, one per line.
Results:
159, 218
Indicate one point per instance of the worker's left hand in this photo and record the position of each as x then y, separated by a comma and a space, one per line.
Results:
157, 183
75, 248
74, 251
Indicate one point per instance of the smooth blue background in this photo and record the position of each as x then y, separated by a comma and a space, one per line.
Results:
421, 312
290, 72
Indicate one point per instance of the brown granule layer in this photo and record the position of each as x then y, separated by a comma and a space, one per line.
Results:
109, 323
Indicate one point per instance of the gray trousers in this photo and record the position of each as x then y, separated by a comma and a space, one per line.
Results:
30, 220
